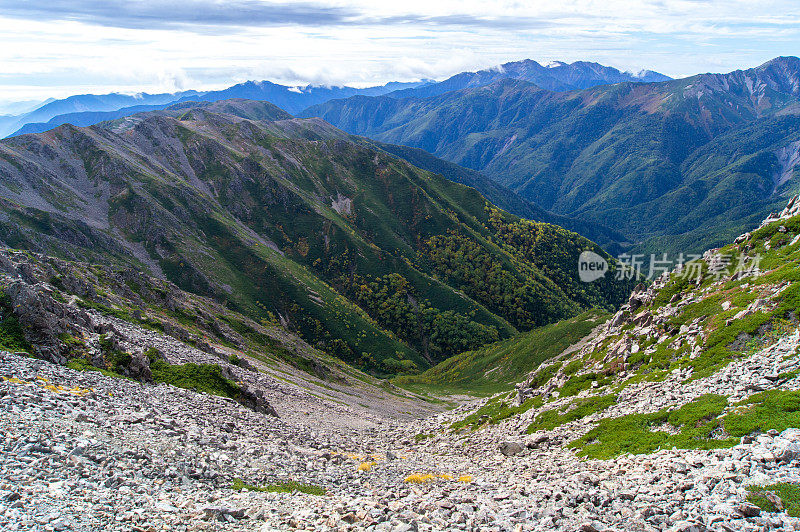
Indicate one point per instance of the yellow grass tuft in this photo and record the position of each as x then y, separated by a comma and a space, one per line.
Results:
419, 478
366, 466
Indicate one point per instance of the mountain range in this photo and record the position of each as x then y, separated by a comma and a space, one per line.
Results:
90, 109
292, 221
556, 76
86, 110
215, 315
685, 163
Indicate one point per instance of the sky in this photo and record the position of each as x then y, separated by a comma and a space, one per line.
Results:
54, 48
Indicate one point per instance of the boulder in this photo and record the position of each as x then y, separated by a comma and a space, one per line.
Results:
537, 440
786, 451
617, 320
688, 526
139, 368
222, 511
511, 448
747, 509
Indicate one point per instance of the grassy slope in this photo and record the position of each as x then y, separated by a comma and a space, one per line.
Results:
498, 366
503, 197
709, 421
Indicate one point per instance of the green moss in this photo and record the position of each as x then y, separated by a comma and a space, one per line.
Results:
12, 337
697, 423
579, 409
205, 378
788, 493
493, 412
283, 487
422, 436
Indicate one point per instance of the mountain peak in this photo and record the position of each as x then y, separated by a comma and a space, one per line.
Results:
239, 107
789, 61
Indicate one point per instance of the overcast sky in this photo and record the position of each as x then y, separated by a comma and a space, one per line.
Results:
53, 48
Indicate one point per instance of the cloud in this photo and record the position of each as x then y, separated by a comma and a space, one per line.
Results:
208, 16
71, 46
172, 14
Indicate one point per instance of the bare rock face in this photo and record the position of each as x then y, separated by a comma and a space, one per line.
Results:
47, 318
139, 368
256, 400
43, 318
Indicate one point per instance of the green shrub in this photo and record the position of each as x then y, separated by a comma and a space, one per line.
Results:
12, 337
789, 495
550, 419
774, 409
578, 383
82, 364
573, 367
283, 487
205, 378
639, 434
493, 412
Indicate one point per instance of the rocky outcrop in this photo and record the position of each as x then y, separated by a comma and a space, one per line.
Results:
58, 330
44, 319
256, 400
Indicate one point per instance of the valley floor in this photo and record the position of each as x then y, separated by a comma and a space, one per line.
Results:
82, 451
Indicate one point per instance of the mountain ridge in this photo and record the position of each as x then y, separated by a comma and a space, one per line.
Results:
90, 109
292, 99
367, 257
627, 155
559, 77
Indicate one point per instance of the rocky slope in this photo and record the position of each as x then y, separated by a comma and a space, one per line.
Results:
678, 413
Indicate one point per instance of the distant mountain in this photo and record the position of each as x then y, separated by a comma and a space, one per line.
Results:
87, 110
703, 157
366, 256
295, 99
85, 118
88, 103
556, 76
22, 107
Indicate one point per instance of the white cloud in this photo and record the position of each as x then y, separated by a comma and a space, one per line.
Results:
73, 46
